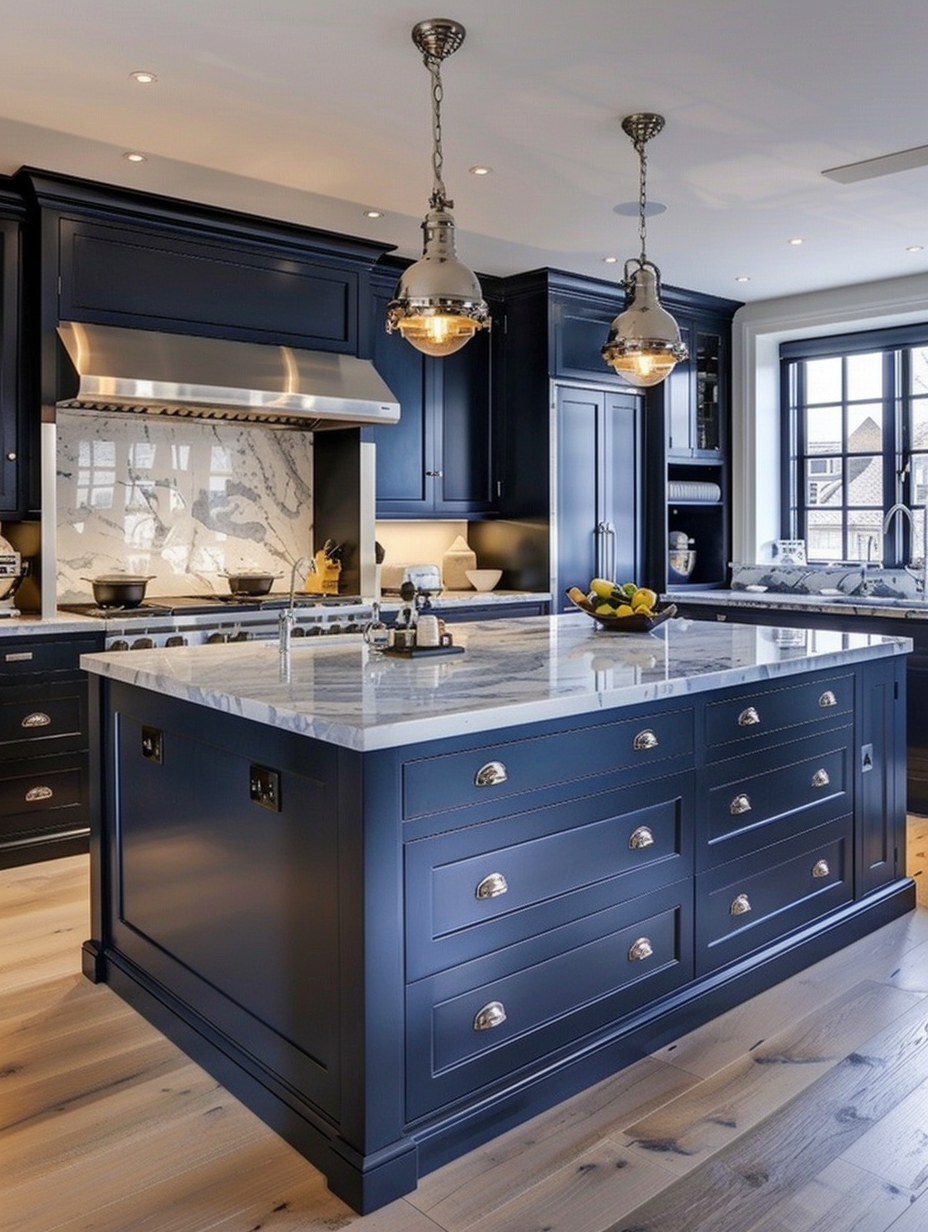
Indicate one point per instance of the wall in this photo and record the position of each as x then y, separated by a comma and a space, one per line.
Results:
182, 500
759, 328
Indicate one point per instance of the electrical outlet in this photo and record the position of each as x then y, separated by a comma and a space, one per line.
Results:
153, 744
264, 787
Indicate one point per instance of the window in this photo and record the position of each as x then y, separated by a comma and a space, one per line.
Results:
856, 418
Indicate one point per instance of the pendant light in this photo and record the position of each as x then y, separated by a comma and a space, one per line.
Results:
438, 305
644, 342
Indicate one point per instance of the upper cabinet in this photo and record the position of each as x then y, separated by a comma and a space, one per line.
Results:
696, 392
438, 461
18, 451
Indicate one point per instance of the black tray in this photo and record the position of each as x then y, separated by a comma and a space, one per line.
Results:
422, 652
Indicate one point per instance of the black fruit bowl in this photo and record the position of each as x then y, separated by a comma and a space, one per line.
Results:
637, 623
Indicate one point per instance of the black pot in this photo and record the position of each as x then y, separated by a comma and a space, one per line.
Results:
118, 589
251, 583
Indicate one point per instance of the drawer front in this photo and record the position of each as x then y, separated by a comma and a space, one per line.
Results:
471, 891
43, 785
43, 718
807, 784
19, 656
465, 1032
754, 716
496, 772
751, 902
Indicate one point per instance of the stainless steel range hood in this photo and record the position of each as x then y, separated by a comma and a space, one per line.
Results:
117, 370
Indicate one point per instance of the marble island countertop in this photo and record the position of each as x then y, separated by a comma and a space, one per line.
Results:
512, 671
845, 605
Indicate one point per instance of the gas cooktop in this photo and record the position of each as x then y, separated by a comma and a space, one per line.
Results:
194, 605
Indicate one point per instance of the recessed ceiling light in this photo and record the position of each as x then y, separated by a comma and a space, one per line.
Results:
915, 248
143, 77
373, 213
481, 170
610, 260
796, 241
133, 156
743, 278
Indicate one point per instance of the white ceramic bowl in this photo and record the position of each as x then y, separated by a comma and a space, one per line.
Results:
483, 579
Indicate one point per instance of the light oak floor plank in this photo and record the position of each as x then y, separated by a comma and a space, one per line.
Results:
109, 1128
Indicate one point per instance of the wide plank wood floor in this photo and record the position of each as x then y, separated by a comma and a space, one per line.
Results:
803, 1110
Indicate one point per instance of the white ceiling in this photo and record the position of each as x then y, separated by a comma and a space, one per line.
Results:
313, 111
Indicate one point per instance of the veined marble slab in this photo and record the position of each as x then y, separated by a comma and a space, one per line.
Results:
513, 671
181, 500
853, 605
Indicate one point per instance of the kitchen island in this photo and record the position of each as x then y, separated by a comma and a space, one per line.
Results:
400, 906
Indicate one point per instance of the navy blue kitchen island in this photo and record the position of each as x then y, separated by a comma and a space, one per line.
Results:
398, 907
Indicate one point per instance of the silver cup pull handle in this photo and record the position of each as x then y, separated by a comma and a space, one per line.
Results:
740, 804
827, 699
38, 718
640, 950
492, 1015
491, 774
820, 778
748, 717
642, 837
645, 740
741, 905
492, 886
38, 793
820, 869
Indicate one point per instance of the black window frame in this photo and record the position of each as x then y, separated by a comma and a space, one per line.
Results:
898, 476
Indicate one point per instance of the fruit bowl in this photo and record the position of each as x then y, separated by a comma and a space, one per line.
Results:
637, 623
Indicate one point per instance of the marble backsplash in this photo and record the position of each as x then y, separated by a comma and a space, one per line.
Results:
181, 500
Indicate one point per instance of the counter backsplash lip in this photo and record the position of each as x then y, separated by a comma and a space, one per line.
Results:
517, 671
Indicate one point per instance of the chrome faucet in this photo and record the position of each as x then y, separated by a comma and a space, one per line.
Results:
287, 618
921, 574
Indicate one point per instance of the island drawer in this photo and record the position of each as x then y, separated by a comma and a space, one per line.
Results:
759, 716
473, 890
774, 794
32, 718
473, 1025
750, 902
498, 771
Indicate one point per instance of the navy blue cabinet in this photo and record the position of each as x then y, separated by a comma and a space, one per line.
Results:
598, 501
18, 439
399, 952
438, 461
44, 741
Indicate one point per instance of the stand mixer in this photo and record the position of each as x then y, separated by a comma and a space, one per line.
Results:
12, 572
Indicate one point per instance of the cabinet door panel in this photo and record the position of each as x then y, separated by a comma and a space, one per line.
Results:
579, 490
465, 444
401, 447
621, 485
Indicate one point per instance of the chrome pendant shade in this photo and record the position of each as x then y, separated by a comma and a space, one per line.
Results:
644, 343
438, 305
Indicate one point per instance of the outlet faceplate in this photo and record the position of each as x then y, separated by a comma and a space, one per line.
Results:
264, 787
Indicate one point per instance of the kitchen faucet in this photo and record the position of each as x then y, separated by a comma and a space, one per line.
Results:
922, 575
287, 617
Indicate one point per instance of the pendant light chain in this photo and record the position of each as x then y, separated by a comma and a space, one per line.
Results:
439, 198
642, 198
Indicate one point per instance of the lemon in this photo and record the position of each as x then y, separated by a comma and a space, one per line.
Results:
643, 597
604, 609
625, 609
602, 587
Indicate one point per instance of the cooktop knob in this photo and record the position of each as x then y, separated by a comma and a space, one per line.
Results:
217, 637
333, 629
313, 631
119, 644
299, 631
242, 636
143, 643
175, 640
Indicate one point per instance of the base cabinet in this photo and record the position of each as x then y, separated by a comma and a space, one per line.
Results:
390, 956
44, 739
